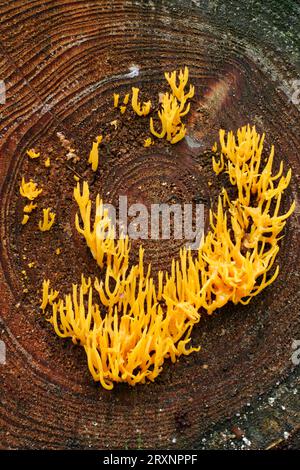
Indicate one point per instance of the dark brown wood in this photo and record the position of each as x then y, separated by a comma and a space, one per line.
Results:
61, 62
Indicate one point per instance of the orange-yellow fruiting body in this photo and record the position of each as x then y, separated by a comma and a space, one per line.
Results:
128, 348
170, 116
94, 155
48, 296
29, 190
148, 142
48, 220
178, 90
100, 238
32, 153
147, 322
47, 162
174, 107
116, 100
126, 98
25, 219
138, 108
122, 109
29, 208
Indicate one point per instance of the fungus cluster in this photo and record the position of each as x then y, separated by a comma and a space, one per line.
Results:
31, 191
128, 322
173, 107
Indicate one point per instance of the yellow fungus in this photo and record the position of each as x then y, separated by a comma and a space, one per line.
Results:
47, 163
57, 251
116, 100
174, 106
48, 220
122, 109
76, 178
32, 153
214, 147
100, 237
138, 108
48, 296
145, 324
170, 117
148, 142
178, 90
94, 156
29, 208
126, 98
29, 190
130, 348
25, 219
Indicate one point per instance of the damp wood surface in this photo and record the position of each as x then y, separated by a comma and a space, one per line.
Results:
61, 63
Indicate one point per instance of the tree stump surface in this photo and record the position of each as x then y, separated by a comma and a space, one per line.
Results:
60, 62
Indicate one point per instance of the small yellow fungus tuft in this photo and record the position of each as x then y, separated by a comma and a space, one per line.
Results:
126, 98
47, 163
214, 147
148, 142
57, 251
116, 100
100, 237
29, 208
178, 90
76, 178
29, 190
25, 219
174, 107
122, 109
48, 220
32, 153
170, 117
94, 156
138, 108
48, 297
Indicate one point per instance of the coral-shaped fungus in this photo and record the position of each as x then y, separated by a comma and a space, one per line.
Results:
170, 116
32, 153
25, 219
29, 190
173, 107
138, 108
29, 208
146, 322
48, 220
94, 155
